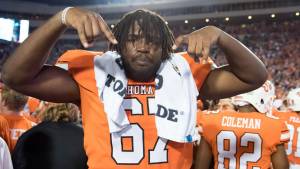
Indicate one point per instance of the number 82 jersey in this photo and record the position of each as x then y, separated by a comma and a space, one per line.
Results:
242, 140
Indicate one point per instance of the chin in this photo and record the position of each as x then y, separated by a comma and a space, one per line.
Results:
141, 75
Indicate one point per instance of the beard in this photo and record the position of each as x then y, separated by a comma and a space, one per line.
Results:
141, 73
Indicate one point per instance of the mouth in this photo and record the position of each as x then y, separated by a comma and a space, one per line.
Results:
142, 61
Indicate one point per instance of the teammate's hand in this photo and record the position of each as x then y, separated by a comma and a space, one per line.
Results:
200, 41
89, 26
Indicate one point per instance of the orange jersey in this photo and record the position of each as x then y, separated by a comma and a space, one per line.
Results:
242, 140
293, 147
137, 147
4, 132
17, 126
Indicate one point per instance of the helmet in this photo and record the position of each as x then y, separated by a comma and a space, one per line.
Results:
261, 98
293, 99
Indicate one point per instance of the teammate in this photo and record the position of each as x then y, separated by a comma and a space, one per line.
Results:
12, 105
245, 139
292, 118
132, 77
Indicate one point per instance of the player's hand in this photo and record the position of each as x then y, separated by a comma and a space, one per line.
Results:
89, 26
200, 41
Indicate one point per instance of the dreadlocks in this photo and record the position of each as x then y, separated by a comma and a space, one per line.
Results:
152, 27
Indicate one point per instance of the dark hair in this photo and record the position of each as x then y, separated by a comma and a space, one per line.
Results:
152, 27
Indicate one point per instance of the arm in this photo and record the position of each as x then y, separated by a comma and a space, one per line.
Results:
279, 158
204, 155
244, 73
24, 70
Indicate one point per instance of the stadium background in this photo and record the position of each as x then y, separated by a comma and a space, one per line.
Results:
270, 28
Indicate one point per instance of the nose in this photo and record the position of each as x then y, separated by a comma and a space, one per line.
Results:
143, 46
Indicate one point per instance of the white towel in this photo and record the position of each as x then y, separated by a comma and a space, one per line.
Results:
104, 66
177, 96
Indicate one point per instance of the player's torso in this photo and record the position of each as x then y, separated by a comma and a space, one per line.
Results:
241, 140
138, 146
292, 120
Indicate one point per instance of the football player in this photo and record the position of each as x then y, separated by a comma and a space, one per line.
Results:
292, 118
248, 138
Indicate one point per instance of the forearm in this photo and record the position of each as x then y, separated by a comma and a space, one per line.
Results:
30, 56
242, 62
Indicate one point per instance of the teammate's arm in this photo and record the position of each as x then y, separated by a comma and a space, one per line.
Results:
204, 155
279, 158
24, 70
244, 72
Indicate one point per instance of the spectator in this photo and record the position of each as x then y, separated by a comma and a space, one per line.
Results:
55, 143
12, 104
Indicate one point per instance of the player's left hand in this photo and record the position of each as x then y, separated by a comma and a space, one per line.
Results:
200, 41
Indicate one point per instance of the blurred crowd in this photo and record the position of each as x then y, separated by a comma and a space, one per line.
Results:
276, 44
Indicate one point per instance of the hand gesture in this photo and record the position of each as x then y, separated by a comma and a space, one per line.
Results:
89, 26
200, 41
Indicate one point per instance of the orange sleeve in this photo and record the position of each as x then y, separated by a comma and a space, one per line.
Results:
199, 70
4, 132
285, 134
80, 63
280, 135
204, 124
200, 122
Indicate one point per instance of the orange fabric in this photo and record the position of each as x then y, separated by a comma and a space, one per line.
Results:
17, 126
33, 104
199, 70
293, 122
99, 143
4, 132
234, 128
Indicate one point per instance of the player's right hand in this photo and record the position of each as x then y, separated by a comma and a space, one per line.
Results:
89, 26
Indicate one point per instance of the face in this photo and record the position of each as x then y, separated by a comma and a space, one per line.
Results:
225, 105
141, 59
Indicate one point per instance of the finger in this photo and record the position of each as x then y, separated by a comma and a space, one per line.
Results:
106, 30
82, 36
192, 47
180, 40
205, 50
88, 29
95, 27
198, 50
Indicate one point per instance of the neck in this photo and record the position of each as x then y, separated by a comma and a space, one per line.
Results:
247, 108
